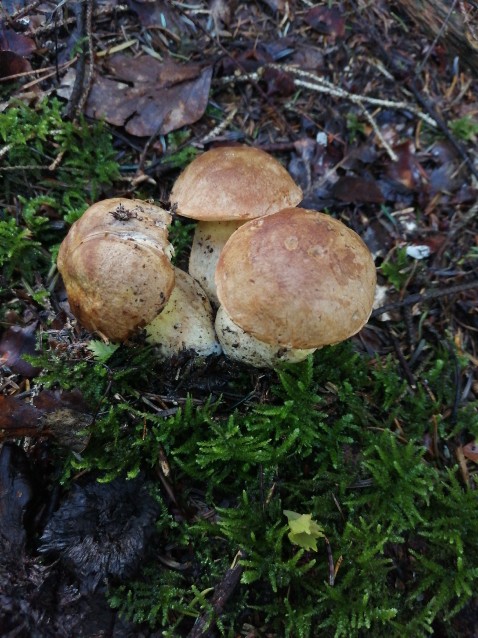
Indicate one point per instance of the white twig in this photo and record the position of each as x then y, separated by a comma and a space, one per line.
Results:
391, 153
324, 86
314, 83
217, 130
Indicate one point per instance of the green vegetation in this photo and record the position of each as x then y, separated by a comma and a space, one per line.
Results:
465, 128
62, 166
343, 442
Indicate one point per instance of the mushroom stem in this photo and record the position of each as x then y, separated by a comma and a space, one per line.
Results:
208, 242
239, 345
186, 322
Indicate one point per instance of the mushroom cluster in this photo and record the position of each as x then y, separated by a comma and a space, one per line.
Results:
284, 280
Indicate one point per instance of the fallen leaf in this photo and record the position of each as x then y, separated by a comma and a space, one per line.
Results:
14, 344
157, 12
16, 42
11, 63
278, 82
406, 170
357, 190
303, 530
59, 414
326, 21
470, 451
164, 96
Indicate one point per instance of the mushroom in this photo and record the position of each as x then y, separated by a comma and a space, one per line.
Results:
297, 279
186, 322
116, 266
223, 188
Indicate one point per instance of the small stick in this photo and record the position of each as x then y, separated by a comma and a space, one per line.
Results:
221, 595
411, 300
391, 153
324, 86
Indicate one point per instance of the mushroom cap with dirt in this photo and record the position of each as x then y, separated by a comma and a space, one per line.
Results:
223, 188
116, 266
294, 279
186, 322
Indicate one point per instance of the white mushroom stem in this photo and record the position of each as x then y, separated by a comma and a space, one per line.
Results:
208, 242
186, 323
239, 345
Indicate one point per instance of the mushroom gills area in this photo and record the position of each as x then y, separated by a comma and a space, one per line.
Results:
240, 346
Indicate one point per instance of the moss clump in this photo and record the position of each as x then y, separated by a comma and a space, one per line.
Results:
341, 438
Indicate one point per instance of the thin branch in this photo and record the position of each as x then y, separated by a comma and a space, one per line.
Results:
321, 85
222, 593
391, 153
411, 300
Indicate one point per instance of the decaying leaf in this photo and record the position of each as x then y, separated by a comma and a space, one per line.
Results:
16, 42
147, 96
158, 12
357, 190
470, 451
329, 21
11, 63
16, 342
59, 414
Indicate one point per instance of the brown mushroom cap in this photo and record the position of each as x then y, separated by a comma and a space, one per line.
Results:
233, 182
115, 264
298, 278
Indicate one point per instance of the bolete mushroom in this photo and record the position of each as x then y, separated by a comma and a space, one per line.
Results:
186, 322
116, 266
223, 188
297, 279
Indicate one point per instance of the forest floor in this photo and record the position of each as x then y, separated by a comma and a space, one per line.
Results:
140, 498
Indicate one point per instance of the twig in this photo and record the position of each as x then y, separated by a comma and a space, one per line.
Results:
411, 300
25, 11
217, 130
47, 69
324, 86
221, 595
443, 127
82, 87
91, 58
100, 13
391, 153
444, 25
241, 68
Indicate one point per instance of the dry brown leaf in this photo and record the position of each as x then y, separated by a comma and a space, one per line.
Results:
16, 342
164, 96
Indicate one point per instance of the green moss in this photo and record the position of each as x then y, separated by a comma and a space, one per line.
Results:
327, 442
60, 168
